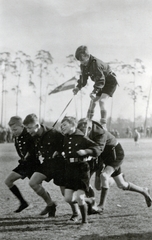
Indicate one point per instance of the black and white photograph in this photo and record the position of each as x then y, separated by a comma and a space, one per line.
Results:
75, 119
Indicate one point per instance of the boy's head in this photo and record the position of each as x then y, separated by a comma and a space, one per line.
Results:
16, 125
68, 125
82, 55
32, 124
83, 123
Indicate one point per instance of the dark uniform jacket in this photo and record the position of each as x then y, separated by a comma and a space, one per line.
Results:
97, 70
50, 141
25, 147
103, 138
77, 141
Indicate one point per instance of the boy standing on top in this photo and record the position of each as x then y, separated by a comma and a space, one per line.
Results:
105, 82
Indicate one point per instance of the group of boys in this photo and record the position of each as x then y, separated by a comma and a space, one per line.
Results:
72, 155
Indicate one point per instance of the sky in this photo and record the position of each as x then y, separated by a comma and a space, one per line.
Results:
112, 29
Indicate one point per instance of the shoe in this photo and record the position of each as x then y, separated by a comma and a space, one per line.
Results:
74, 218
93, 211
147, 197
21, 207
84, 226
50, 210
100, 209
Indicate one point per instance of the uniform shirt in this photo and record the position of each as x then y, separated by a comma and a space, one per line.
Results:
97, 70
50, 141
25, 146
77, 141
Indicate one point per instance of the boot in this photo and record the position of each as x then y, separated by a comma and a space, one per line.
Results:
103, 198
18, 194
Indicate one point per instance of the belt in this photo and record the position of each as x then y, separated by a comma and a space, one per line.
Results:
72, 160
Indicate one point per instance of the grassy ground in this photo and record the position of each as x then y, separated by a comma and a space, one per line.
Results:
126, 216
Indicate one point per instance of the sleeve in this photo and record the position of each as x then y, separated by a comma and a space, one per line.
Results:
100, 140
99, 79
82, 80
94, 147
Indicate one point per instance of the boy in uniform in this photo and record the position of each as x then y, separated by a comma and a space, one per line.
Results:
28, 162
110, 161
104, 79
47, 141
76, 149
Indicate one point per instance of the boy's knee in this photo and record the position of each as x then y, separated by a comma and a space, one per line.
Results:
6, 182
81, 200
68, 199
32, 184
104, 176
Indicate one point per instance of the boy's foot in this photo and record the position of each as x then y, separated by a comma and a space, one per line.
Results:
50, 210
74, 218
84, 226
100, 209
147, 197
21, 207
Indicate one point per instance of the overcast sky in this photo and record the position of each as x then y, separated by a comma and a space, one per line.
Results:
112, 29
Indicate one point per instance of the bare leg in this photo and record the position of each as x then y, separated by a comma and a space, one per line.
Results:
105, 176
102, 103
36, 184
74, 206
121, 183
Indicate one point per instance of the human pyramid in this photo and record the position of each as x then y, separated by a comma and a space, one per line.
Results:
71, 155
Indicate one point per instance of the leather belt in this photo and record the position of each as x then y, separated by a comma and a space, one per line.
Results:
72, 160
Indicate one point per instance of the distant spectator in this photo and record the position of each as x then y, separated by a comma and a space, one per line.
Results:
148, 131
136, 136
141, 131
128, 132
116, 133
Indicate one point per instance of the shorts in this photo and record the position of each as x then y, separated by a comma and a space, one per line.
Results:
110, 85
26, 169
54, 170
77, 176
116, 172
113, 156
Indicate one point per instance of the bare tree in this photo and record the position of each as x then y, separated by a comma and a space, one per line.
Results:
17, 66
4, 63
30, 70
43, 61
136, 68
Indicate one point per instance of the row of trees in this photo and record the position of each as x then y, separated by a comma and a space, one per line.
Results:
50, 76
22, 64
133, 89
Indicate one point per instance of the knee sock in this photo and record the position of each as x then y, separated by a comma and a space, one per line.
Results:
135, 188
83, 210
103, 114
17, 193
91, 192
75, 208
45, 195
103, 197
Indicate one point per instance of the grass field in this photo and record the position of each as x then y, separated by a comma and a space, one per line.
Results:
126, 216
